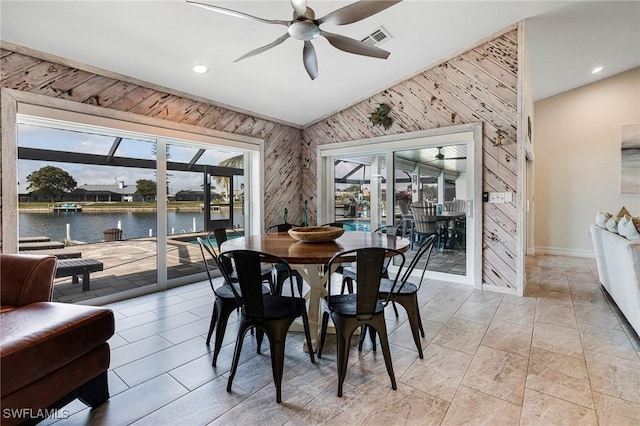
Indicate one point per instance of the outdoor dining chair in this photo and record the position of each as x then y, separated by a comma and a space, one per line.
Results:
361, 308
424, 221
267, 313
405, 293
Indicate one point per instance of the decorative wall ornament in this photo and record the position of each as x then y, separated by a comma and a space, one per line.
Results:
380, 116
630, 159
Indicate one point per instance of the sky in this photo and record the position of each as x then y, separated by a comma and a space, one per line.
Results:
71, 141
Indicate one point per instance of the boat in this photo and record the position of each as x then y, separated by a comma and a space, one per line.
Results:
64, 207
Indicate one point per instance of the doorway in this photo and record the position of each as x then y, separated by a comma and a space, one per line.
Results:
367, 184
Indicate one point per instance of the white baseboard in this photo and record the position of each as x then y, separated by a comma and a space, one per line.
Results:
496, 289
556, 251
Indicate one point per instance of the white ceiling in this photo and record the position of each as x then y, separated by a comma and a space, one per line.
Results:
160, 41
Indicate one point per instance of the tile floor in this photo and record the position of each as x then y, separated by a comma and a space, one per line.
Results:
559, 356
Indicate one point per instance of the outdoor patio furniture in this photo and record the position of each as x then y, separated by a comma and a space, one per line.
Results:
40, 245
424, 221
75, 267
63, 253
40, 239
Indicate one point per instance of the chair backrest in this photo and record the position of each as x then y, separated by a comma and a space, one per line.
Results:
210, 258
281, 227
424, 218
390, 230
249, 270
26, 278
424, 250
369, 267
221, 235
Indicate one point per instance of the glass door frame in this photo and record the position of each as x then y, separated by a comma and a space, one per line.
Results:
469, 134
17, 104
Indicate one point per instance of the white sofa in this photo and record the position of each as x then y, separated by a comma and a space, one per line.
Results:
618, 261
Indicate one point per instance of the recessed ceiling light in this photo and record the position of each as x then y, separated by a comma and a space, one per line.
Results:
596, 70
200, 68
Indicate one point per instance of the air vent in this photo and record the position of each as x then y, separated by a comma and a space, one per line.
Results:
377, 37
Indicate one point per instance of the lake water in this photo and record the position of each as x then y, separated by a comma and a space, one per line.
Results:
89, 227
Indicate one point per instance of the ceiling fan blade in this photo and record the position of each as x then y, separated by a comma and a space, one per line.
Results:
300, 7
356, 11
259, 50
354, 46
237, 14
310, 60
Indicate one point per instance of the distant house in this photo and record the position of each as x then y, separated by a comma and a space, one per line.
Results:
95, 193
189, 195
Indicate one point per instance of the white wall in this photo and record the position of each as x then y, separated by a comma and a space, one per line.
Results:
577, 161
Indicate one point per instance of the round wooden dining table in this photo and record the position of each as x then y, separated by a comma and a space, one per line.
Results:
309, 259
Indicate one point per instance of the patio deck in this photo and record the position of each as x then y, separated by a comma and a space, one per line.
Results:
128, 264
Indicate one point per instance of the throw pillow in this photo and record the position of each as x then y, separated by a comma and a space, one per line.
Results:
622, 213
628, 229
612, 225
602, 218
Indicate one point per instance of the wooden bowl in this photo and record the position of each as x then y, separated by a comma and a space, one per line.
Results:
316, 234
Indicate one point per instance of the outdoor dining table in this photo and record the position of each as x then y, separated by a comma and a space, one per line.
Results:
309, 259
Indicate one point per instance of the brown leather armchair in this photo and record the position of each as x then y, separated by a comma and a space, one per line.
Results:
50, 353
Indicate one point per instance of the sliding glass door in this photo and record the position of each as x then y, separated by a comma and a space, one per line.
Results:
129, 204
366, 185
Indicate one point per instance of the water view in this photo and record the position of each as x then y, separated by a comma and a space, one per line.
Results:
89, 226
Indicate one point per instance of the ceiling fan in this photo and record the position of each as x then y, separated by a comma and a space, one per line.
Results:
304, 26
440, 156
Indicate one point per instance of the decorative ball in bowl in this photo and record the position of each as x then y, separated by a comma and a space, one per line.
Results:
316, 234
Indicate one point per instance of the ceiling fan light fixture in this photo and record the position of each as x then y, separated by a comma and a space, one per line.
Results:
200, 68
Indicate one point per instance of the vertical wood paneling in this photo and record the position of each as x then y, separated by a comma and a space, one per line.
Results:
477, 85
283, 144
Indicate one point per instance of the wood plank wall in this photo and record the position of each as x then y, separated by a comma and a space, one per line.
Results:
477, 85
282, 143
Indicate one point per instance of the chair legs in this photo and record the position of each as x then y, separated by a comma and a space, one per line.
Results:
345, 327
219, 317
276, 332
410, 303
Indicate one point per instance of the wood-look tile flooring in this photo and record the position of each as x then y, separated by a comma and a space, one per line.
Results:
559, 356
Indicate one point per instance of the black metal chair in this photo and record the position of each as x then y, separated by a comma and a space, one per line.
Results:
221, 235
281, 270
362, 308
270, 314
225, 301
406, 294
348, 275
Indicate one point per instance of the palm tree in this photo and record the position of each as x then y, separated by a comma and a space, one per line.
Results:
236, 162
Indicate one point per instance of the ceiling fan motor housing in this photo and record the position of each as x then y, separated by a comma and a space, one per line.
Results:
304, 30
